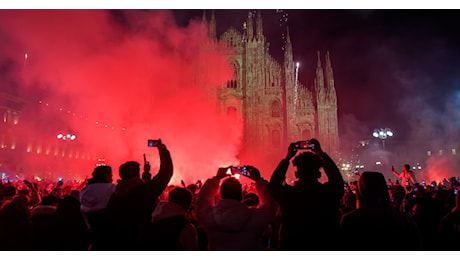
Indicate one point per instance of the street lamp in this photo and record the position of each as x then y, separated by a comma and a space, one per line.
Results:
382, 134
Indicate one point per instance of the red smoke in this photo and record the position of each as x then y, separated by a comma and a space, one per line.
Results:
439, 167
128, 76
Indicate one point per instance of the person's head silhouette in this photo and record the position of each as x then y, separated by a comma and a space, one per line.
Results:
231, 189
373, 190
129, 170
406, 168
181, 196
102, 173
308, 165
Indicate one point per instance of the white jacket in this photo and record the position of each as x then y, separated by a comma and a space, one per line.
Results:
95, 196
230, 224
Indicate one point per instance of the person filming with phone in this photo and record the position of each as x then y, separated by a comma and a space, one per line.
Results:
310, 215
134, 199
229, 223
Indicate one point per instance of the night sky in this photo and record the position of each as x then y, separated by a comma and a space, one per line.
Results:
393, 68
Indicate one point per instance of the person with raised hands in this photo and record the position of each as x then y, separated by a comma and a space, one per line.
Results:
229, 223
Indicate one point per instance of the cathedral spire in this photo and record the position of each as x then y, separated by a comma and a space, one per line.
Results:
332, 96
288, 37
212, 26
250, 27
319, 80
203, 25
259, 27
288, 57
203, 19
318, 63
328, 60
326, 99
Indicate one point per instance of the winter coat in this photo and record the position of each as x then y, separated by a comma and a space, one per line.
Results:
230, 224
169, 230
309, 209
95, 196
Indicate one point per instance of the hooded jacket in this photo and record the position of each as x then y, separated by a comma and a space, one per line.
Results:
169, 230
230, 224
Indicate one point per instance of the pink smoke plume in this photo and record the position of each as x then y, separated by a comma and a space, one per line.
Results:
118, 79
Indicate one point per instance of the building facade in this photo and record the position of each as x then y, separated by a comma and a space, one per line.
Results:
275, 107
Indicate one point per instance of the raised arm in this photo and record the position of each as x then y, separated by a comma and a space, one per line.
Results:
334, 176
35, 195
395, 173
279, 175
160, 181
205, 200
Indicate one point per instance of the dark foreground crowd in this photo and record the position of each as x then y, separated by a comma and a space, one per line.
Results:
144, 212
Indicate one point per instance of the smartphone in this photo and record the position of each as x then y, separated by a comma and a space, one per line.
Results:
153, 143
423, 183
60, 180
455, 190
305, 145
243, 170
407, 183
345, 184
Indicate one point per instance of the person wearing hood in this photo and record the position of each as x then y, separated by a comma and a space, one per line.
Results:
375, 224
134, 199
229, 223
170, 229
94, 198
96, 194
310, 210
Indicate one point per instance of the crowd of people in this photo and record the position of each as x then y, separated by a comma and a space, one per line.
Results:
145, 212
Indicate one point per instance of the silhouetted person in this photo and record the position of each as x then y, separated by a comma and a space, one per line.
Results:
43, 224
427, 213
15, 228
407, 176
134, 200
449, 228
229, 223
375, 224
70, 229
397, 195
32, 193
170, 230
7, 194
349, 201
310, 210
94, 198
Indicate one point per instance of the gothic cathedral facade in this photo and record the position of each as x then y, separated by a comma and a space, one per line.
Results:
275, 107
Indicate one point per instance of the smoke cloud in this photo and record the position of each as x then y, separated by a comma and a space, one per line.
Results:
116, 79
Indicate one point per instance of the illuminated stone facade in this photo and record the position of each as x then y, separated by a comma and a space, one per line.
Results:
276, 108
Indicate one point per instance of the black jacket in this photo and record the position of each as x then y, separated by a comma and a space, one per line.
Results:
309, 210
